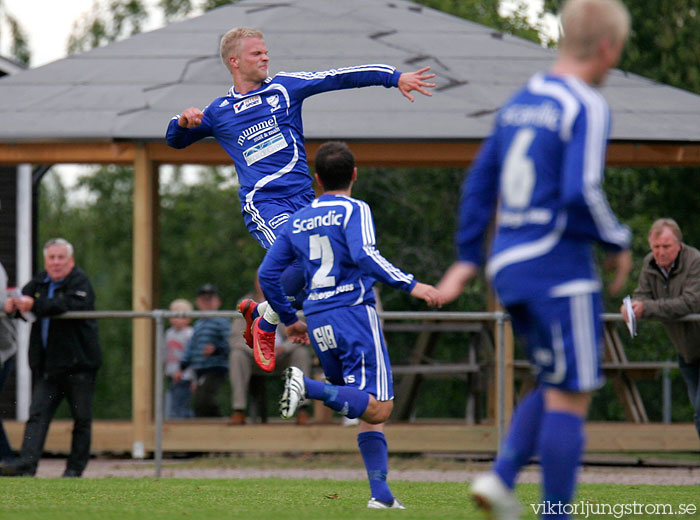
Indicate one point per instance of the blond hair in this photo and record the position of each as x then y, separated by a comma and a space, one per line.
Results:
231, 42
181, 305
585, 23
658, 226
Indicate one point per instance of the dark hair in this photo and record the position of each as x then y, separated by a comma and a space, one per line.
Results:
335, 165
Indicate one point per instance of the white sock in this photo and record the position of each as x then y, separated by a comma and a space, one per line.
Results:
270, 315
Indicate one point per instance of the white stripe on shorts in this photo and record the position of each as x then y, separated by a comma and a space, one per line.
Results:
382, 376
584, 336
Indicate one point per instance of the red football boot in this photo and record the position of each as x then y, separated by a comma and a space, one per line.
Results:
263, 347
246, 308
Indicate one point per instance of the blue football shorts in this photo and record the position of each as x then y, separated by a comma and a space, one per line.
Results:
264, 218
564, 339
349, 342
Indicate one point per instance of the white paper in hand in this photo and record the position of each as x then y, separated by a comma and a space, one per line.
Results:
631, 320
29, 315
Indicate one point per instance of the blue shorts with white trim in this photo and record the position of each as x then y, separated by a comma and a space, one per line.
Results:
350, 345
264, 218
564, 339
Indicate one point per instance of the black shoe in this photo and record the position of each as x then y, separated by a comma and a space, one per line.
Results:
16, 468
72, 473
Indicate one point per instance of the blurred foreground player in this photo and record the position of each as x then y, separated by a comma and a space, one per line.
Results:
540, 171
333, 238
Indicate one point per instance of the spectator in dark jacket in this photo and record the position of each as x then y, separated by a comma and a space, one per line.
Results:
207, 354
64, 355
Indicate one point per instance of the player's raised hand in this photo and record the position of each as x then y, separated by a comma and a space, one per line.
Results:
410, 81
297, 332
621, 263
191, 118
428, 293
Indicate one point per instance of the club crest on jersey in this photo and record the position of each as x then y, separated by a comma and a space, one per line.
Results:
246, 103
274, 102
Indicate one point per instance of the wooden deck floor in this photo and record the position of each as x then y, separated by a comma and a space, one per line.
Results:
445, 437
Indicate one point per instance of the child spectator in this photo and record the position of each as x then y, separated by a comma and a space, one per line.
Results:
178, 395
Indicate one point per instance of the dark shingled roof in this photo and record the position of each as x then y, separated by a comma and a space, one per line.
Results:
130, 89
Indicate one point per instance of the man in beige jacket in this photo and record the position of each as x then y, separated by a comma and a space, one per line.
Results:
668, 289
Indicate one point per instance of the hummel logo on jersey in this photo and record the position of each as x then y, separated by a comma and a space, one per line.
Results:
223, 103
261, 127
274, 102
277, 221
246, 103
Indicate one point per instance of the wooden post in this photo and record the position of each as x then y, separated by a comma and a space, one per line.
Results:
143, 288
495, 306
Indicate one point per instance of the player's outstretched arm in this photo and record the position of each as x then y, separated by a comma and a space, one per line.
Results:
410, 81
454, 280
191, 118
428, 293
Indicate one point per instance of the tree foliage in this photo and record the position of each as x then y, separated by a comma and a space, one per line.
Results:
486, 12
111, 20
663, 43
175, 9
19, 42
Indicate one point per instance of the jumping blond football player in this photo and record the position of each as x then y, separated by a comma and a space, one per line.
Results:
258, 122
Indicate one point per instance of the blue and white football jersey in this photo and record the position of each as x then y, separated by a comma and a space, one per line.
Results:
262, 130
334, 239
541, 171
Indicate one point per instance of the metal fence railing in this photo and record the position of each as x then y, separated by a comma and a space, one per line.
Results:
498, 319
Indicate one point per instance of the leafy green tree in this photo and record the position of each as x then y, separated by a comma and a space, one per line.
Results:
485, 12
663, 44
111, 21
175, 9
204, 239
19, 43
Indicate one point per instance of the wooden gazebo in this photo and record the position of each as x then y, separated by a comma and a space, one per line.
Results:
112, 105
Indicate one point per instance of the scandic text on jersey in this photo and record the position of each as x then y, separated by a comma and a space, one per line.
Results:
329, 219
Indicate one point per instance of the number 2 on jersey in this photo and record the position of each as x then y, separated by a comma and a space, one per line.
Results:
320, 248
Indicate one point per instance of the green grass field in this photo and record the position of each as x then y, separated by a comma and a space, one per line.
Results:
214, 499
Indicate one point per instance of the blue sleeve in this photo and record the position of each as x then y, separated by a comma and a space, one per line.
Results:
478, 203
178, 137
589, 215
360, 238
278, 257
307, 84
